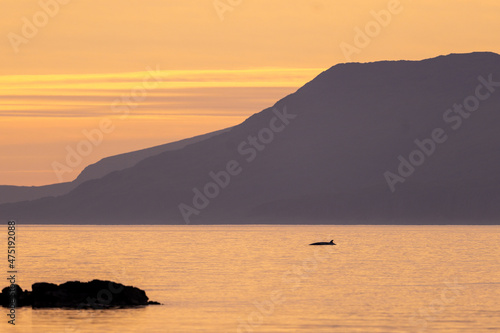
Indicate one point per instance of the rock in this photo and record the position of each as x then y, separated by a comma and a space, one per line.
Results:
14, 293
96, 294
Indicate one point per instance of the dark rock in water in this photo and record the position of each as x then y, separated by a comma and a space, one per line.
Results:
14, 296
95, 294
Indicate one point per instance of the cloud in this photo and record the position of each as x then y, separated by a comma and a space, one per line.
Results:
207, 92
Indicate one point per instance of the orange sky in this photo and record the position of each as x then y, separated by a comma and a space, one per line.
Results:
67, 67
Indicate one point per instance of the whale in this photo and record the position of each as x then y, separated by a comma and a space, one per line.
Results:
324, 243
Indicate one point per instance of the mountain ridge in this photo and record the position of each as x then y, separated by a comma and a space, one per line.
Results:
327, 165
12, 193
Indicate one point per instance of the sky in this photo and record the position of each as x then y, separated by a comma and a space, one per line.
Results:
84, 79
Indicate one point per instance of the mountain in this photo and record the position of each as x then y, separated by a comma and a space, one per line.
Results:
97, 170
406, 142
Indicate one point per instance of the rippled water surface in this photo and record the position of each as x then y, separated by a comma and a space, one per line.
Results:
267, 279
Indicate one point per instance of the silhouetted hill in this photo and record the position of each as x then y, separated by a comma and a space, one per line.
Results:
97, 170
328, 161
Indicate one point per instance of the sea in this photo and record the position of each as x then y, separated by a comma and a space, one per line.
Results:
266, 278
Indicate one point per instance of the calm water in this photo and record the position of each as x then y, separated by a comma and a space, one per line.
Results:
266, 278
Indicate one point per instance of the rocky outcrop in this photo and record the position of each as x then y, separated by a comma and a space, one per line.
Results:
14, 296
96, 294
